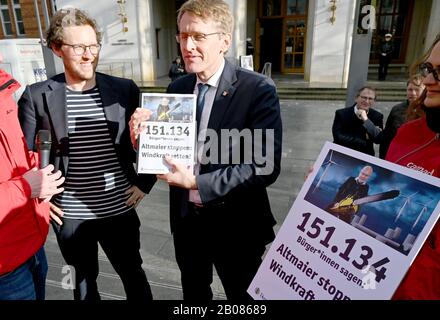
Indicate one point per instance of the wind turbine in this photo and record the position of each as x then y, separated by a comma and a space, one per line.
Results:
327, 165
424, 209
404, 205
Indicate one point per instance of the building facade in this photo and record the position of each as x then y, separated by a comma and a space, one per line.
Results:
310, 38
18, 18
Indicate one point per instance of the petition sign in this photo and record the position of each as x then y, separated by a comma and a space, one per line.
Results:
353, 231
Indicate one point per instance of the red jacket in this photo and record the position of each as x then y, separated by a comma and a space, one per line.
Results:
24, 222
416, 146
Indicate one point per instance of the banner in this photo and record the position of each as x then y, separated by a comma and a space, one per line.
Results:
170, 131
353, 231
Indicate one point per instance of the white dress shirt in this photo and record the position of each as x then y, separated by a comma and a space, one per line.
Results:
194, 195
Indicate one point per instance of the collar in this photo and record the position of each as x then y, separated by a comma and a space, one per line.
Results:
356, 109
358, 182
215, 79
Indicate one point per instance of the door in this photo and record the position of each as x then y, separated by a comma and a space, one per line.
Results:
293, 45
270, 38
392, 16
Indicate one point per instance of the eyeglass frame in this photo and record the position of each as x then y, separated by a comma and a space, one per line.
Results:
191, 35
84, 48
429, 69
367, 98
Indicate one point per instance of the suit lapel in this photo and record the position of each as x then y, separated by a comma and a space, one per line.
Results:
56, 105
110, 105
223, 96
187, 87
57, 110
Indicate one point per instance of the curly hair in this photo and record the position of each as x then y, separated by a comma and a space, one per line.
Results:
66, 18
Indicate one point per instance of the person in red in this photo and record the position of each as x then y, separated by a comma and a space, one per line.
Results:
24, 206
417, 146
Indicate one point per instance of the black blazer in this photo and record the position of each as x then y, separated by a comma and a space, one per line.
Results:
395, 119
43, 106
351, 132
244, 100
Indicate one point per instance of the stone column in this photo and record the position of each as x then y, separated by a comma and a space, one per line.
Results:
238, 46
434, 24
146, 38
329, 45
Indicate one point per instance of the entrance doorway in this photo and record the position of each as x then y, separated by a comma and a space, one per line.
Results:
392, 16
271, 31
281, 34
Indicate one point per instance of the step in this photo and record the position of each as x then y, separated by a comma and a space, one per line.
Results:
392, 68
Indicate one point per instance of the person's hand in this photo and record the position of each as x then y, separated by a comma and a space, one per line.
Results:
362, 114
179, 175
43, 183
136, 196
140, 115
55, 214
309, 171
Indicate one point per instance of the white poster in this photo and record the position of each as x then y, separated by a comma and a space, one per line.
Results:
169, 132
353, 231
247, 62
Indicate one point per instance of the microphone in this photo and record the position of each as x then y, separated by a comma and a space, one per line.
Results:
43, 142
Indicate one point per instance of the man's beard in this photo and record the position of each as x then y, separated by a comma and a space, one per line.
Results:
81, 74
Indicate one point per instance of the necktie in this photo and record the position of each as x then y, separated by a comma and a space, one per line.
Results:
203, 88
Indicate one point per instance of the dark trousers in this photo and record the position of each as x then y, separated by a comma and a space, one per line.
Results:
383, 66
202, 242
119, 237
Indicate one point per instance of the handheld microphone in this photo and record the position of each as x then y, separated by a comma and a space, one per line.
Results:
43, 142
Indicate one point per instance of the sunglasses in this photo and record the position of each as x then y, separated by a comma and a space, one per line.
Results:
427, 68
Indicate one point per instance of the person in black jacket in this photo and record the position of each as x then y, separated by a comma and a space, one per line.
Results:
398, 114
177, 69
386, 50
87, 113
352, 189
359, 127
220, 212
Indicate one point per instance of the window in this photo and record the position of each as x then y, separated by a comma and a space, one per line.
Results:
19, 25
271, 8
296, 7
6, 18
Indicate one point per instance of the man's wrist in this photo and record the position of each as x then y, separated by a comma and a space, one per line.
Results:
193, 183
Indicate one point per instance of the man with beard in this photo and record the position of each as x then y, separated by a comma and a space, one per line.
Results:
87, 114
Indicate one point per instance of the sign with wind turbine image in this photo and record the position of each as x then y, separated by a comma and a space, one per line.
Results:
352, 232
395, 210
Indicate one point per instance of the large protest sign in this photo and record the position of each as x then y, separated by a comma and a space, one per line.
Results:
353, 231
170, 131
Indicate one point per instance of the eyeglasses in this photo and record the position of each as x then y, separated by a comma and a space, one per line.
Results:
80, 49
367, 98
427, 68
196, 37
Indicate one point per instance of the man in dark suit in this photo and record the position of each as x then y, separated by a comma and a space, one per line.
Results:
399, 113
352, 189
87, 114
220, 213
359, 126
